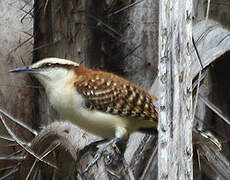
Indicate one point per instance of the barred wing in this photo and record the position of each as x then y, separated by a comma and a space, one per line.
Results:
116, 95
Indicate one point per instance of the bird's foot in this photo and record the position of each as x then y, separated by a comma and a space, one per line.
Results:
94, 160
100, 152
92, 147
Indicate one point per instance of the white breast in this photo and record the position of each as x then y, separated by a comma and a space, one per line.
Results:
71, 105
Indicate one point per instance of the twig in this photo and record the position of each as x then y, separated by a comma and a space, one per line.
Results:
113, 174
46, 4
21, 44
19, 122
31, 169
9, 174
17, 152
197, 53
124, 8
12, 158
146, 170
44, 154
30, 151
7, 138
215, 109
196, 96
199, 79
35, 174
9, 167
208, 8
100, 22
199, 163
26, 13
131, 51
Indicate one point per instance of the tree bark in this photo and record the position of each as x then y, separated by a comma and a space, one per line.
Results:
175, 118
16, 92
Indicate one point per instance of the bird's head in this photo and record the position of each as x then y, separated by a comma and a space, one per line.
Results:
49, 70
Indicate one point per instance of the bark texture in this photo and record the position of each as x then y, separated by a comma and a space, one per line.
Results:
175, 118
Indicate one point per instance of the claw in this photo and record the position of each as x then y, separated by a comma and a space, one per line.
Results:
90, 148
94, 160
99, 153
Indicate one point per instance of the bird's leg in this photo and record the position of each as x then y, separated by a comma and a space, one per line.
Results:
100, 152
90, 147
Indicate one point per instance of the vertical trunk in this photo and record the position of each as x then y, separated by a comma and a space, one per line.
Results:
175, 117
140, 50
141, 43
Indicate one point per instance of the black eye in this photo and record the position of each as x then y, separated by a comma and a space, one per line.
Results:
48, 65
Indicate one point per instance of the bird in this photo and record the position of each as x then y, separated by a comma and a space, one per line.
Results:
99, 102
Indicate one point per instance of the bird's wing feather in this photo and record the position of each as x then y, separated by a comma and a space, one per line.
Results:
117, 96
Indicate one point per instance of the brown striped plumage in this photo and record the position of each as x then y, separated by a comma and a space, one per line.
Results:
95, 100
110, 93
99, 102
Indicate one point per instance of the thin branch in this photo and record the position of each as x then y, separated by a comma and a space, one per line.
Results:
12, 158
197, 53
15, 153
7, 138
211, 128
27, 32
35, 174
31, 169
203, 75
113, 174
44, 154
26, 14
124, 8
9, 174
131, 51
21, 44
199, 78
146, 170
101, 23
216, 161
30, 151
208, 138
26, 4
215, 109
19, 122
46, 4
42, 46
199, 164
9, 167
208, 8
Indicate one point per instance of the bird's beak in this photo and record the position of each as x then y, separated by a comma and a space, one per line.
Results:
23, 69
